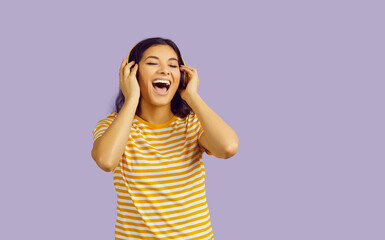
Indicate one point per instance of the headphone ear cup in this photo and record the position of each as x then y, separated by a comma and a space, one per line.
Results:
182, 80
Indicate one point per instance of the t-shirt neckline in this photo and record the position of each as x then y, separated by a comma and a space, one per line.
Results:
153, 125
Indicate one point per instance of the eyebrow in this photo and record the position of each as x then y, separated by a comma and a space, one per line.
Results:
158, 58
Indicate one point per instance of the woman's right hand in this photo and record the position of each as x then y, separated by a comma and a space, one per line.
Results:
127, 80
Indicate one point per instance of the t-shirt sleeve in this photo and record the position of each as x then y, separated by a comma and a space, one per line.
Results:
102, 125
200, 132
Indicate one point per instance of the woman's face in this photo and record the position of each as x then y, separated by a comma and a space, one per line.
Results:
158, 75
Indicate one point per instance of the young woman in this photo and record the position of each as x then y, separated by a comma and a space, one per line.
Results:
154, 141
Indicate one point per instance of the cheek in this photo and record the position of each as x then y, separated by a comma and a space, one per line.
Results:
176, 81
144, 72
142, 78
143, 86
177, 75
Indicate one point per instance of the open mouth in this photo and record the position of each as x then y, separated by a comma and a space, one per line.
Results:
161, 86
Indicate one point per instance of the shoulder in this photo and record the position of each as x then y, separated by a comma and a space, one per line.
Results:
189, 122
110, 117
113, 114
191, 118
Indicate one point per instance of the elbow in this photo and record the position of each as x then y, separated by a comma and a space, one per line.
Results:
231, 149
104, 164
106, 167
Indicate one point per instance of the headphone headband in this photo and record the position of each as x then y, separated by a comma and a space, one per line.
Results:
135, 46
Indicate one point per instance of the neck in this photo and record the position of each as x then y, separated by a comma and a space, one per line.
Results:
155, 114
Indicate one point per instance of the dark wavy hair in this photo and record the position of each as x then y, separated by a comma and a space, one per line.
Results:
178, 105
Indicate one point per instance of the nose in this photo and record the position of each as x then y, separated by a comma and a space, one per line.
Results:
163, 69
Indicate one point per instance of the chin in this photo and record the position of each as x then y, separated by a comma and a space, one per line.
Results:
161, 100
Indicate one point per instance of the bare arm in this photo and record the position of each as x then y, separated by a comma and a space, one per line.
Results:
109, 148
218, 137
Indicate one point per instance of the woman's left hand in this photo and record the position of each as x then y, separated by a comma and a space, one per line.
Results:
192, 84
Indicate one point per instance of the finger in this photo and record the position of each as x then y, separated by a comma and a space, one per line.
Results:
124, 62
127, 68
122, 65
188, 67
134, 70
190, 72
187, 70
130, 64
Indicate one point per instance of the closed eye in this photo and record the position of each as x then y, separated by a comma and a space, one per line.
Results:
173, 66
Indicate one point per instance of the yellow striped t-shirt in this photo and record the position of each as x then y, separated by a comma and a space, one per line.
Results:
160, 181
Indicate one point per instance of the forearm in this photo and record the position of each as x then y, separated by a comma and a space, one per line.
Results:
109, 148
222, 141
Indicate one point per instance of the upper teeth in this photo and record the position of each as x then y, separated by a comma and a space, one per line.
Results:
162, 81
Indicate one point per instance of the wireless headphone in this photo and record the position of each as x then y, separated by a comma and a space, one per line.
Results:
183, 77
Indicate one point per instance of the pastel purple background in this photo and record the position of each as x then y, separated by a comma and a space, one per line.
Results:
301, 82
